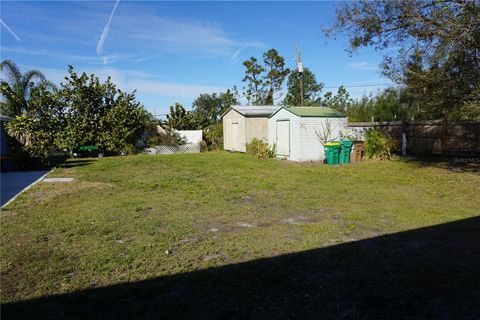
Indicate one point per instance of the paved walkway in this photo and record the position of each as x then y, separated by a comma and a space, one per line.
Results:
12, 183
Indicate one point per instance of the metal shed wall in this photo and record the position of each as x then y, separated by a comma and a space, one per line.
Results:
294, 126
305, 145
231, 141
256, 128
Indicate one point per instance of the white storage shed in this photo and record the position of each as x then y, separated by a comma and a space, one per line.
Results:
241, 124
299, 133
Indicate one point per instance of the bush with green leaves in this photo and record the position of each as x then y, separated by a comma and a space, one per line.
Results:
203, 146
213, 136
167, 138
100, 114
38, 129
82, 112
378, 145
260, 149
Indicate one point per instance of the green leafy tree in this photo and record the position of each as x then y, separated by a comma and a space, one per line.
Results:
362, 110
439, 61
123, 124
341, 101
181, 119
208, 108
82, 112
391, 105
311, 89
276, 74
17, 87
263, 82
229, 98
255, 89
100, 114
387, 105
39, 128
448, 90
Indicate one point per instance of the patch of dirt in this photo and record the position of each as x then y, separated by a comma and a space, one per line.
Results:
50, 191
248, 199
214, 256
317, 215
295, 220
145, 211
194, 239
5, 213
300, 217
245, 225
243, 200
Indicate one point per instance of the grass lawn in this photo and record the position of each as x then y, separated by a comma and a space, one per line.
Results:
246, 238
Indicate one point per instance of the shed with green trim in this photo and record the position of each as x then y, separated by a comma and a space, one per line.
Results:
299, 133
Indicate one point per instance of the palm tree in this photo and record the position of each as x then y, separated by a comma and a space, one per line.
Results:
16, 90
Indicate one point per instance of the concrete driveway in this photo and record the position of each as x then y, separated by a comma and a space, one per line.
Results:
12, 183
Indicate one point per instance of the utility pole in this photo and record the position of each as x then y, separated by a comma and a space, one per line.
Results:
300, 71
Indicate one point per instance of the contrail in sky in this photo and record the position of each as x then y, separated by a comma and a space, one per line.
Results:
106, 30
9, 30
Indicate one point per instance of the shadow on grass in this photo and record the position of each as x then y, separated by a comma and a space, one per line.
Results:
457, 164
75, 163
428, 273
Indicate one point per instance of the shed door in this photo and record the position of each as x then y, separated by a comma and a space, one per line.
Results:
283, 138
235, 137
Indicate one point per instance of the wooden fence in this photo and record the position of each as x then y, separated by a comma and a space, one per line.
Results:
426, 137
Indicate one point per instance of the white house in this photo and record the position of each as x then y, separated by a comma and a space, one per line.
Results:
299, 133
241, 124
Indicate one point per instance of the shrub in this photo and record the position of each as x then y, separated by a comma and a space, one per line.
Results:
378, 145
168, 138
213, 136
260, 149
203, 146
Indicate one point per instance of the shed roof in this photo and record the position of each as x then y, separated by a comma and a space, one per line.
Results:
254, 111
319, 112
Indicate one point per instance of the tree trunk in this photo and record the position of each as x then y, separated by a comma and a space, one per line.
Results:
269, 100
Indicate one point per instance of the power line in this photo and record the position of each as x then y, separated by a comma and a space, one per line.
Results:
345, 86
361, 85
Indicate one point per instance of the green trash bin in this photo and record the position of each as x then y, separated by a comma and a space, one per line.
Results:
345, 150
332, 152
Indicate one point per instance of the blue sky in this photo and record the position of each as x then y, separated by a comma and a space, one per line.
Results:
173, 51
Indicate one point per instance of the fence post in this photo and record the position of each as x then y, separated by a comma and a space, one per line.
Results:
444, 136
404, 144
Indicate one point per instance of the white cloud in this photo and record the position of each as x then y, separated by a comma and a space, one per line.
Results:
9, 30
105, 32
71, 58
157, 34
172, 89
363, 66
168, 35
132, 32
129, 80
236, 53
